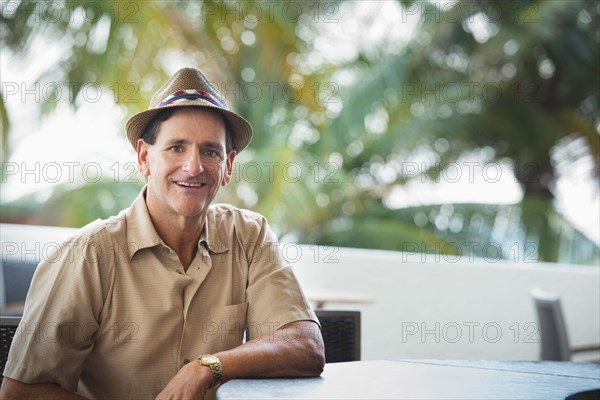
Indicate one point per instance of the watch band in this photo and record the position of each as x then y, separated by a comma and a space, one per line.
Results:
214, 364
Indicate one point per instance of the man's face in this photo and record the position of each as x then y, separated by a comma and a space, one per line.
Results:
187, 163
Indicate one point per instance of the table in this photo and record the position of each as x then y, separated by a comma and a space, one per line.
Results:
427, 379
320, 298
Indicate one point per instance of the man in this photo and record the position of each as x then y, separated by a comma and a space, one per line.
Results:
154, 301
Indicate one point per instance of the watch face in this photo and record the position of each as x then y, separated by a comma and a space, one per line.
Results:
209, 359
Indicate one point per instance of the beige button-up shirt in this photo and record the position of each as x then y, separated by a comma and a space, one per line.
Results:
112, 314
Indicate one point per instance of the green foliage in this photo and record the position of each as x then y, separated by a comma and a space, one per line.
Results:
314, 172
67, 206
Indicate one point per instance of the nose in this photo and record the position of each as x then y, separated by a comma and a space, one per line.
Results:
193, 164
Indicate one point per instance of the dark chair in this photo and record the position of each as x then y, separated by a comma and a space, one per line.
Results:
15, 281
341, 334
8, 327
553, 330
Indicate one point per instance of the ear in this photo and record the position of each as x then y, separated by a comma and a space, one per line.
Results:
142, 154
228, 168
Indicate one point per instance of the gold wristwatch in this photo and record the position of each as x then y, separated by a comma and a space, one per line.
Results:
214, 364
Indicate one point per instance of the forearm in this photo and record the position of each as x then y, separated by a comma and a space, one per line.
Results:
292, 351
13, 389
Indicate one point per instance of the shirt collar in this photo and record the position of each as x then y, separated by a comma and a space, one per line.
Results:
141, 233
140, 229
211, 235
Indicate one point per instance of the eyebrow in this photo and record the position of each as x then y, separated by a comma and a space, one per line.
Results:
211, 144
177, 141
215, 145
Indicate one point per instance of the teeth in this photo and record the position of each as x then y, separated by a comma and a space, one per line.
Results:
189, 184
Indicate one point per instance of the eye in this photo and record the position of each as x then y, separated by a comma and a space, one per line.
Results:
176, 149
211, 153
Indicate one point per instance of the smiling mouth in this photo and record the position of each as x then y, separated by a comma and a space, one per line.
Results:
190, 184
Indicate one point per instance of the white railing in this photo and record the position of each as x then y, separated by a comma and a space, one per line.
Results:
428, 307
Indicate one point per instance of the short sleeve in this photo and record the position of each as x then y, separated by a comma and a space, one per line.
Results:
61, 315
274, 294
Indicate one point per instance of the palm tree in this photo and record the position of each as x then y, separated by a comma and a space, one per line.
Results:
317, 178
131, 48
513, 78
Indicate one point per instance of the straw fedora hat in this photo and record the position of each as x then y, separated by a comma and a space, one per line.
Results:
189, 87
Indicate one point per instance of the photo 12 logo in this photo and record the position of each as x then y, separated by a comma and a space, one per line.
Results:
253, 12
55, 12
468, 331
53, 92
470, 11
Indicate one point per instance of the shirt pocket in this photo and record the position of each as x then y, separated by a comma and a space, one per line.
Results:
228, 324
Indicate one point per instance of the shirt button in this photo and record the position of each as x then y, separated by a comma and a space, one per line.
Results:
180, 272
186, 361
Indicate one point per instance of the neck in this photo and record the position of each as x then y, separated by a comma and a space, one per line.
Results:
180, 234
183, 239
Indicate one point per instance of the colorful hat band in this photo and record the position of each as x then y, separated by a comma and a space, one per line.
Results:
190, 95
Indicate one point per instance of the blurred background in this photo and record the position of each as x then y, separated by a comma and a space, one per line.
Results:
466, 128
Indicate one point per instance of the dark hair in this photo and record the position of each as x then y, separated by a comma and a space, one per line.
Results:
149, 134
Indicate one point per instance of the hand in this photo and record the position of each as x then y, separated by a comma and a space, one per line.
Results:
191, 382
